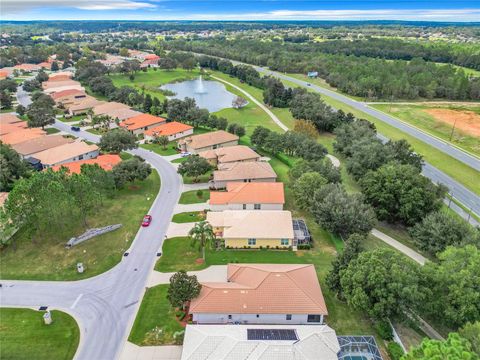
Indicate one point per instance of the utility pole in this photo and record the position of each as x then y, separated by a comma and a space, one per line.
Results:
453, 129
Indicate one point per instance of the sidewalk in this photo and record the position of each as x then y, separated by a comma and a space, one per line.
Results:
214, 273
134, 352
412, 254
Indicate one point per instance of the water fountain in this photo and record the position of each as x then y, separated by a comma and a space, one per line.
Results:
200, 88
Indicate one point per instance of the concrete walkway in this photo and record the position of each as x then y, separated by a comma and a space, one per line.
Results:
214, 273
274, 117
412, 254
131, 351
197, 186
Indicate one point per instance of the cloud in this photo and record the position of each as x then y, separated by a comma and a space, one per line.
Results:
18, 7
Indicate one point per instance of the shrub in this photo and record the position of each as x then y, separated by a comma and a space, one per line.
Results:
384, 330
199, 193
395, 351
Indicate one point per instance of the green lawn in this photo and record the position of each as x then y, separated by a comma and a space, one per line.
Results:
464, 174
155, 311
96, 131
171, 148
74, 118
27, 260
417, 116
179, 160
52, 131
188, 217
149, 81
201, 179
24, 336
191, 197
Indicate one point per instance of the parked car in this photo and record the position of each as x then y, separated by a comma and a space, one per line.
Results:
185, 154
308, 84
147, 219
75, 128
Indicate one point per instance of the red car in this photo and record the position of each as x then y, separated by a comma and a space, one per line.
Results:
147, 219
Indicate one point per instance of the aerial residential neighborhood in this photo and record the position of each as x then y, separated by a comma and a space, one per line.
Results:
255, 181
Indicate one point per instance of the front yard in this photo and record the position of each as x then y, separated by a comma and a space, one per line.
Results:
188, 217
47, 259
170, 149
24, 336
194, 197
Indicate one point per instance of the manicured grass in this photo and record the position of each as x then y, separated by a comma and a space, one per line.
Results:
125, 156
27, 260
170, 149
188, 217
149, 81
191, 197
179, 160
52, 131
416, 115
462, 173
74, 118
96, 131
201, 179
24, 336
155, 311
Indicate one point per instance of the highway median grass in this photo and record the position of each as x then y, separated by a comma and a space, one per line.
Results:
48, 259
24, 336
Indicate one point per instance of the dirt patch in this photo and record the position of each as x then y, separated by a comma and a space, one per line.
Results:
466, 121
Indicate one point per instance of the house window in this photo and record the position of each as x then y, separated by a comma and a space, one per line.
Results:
80, 157
256, 206
258, 316
229, 317
288, 317
215, 146
252, 242
313, 318
284, 242
244, 206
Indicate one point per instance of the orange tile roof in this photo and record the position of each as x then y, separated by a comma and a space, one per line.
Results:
106, 162
3, 74
230, 154
47, 85
3, 198
168, 129
9, 128
59, 78
64, 93
141, 121
249, 193
263, 289
21, 135
27, 67
152, 57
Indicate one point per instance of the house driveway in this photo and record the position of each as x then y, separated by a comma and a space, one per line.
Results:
134, 352
175, 229
214, 273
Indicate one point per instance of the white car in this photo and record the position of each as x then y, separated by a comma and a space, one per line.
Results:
185, 154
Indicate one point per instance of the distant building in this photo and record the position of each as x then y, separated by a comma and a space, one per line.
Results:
21, 135
229, 154
173, 130
208, 141
140, 123
244, 172
66, 153
312, 74
32, 146
106, 162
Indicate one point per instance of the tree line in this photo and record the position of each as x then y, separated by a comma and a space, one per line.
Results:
366, 77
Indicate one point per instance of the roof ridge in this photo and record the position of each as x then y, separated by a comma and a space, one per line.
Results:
303, 291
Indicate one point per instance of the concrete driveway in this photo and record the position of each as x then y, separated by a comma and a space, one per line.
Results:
175, 230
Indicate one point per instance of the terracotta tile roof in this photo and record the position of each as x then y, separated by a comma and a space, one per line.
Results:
59, 78
108, 107
45, 65
249, 193
263, 289
21, 135
48, 85
64, 152
209, 139
245, 224
27, 67
41, 143
123, 114
9, 119
244, 170
106, 162
141, 121
4, 74
152, 57
168, 129
8, 128
3, 198
60, 75
58, 95
87, 102
230, 154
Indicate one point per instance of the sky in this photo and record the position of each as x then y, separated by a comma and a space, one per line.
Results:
413, 10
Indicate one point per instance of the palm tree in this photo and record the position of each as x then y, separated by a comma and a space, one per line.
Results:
202, 233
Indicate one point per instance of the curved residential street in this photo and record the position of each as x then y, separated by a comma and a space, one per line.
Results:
104, 306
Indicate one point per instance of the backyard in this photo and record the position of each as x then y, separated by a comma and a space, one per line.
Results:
27, 260
24, 336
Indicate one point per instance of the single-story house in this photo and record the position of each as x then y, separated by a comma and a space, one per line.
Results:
32, 146
67, 96
262, 294
106, 162
111, 60
27, 67
150, 62
208, 141
60, 76
22, 135
8, 128
260, 342
107, 107
7, 118
248, 196
137, 54
82, 105
250, 171
140, 123
229, 154
174, 130
254, 229
56, 86
45, 65
66, 153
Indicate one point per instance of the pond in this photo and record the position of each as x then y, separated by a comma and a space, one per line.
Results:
210, 95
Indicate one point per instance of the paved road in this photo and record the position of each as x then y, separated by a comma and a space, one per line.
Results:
23, 97
105, 305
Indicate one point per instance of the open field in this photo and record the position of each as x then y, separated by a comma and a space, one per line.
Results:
155, 311
27, 260
438, 120
24, 336
150, 81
